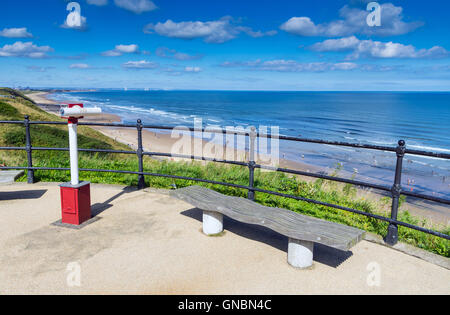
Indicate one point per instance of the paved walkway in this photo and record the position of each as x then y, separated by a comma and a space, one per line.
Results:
147, 242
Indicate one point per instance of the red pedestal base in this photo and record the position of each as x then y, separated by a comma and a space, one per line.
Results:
75, 203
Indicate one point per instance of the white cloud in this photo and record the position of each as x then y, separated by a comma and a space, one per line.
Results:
128, 49
343, 66
300, 26
112, 53
255, 34
97, 2
192, 69
39, 69
341, 44
377, 49
28, 50
165, 52
353, 22
142, 64
219, 31
79, 66
381, 68
119, 50
16, 33
136, 6
282, 65
212, 32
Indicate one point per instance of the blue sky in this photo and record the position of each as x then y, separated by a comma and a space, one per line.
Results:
226, 45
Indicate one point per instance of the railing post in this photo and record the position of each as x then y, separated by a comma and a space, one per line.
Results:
140, 150
28, 148
392, 233
251, 163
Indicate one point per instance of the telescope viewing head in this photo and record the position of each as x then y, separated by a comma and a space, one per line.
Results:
73, 112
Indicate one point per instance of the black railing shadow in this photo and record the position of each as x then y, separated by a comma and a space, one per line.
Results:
98, 208
322, 254
22, 194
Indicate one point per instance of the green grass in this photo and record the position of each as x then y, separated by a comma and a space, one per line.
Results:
56, 136
43, 135
19, 96
8, 111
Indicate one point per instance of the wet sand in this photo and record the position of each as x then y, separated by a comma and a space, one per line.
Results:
155, 141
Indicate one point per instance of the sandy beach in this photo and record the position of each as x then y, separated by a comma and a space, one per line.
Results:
160, 141
155, 141
52, 107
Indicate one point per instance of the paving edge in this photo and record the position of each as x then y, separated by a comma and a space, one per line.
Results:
411, 250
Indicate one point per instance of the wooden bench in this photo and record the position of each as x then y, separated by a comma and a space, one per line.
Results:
302, 231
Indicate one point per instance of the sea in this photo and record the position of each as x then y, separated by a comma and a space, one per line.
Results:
422, 119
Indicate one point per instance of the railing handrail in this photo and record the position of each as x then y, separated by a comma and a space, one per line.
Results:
439, 155
395, 190
278, 169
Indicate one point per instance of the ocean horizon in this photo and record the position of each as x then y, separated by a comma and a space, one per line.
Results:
378, 118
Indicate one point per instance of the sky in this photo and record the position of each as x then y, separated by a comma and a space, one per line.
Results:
299, 45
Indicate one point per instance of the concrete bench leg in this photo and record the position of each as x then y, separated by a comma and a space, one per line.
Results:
300, 253
212, 222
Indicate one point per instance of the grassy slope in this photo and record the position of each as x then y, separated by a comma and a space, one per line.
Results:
56, 136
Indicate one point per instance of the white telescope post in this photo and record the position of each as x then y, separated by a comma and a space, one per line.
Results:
74, 112
73, 149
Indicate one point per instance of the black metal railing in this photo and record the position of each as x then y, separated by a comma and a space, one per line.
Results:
395, 190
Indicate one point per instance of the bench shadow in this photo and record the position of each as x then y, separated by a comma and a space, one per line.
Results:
322, 254
22, 194
98, 208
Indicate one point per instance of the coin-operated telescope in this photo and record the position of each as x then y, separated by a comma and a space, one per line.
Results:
75, 196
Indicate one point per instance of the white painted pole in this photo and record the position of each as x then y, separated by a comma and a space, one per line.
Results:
73, 148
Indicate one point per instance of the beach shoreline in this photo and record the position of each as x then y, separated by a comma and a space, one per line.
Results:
163, 142
153, 140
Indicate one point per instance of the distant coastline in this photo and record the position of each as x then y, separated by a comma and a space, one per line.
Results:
58, 90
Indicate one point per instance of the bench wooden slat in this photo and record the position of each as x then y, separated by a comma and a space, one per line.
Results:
285, 222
